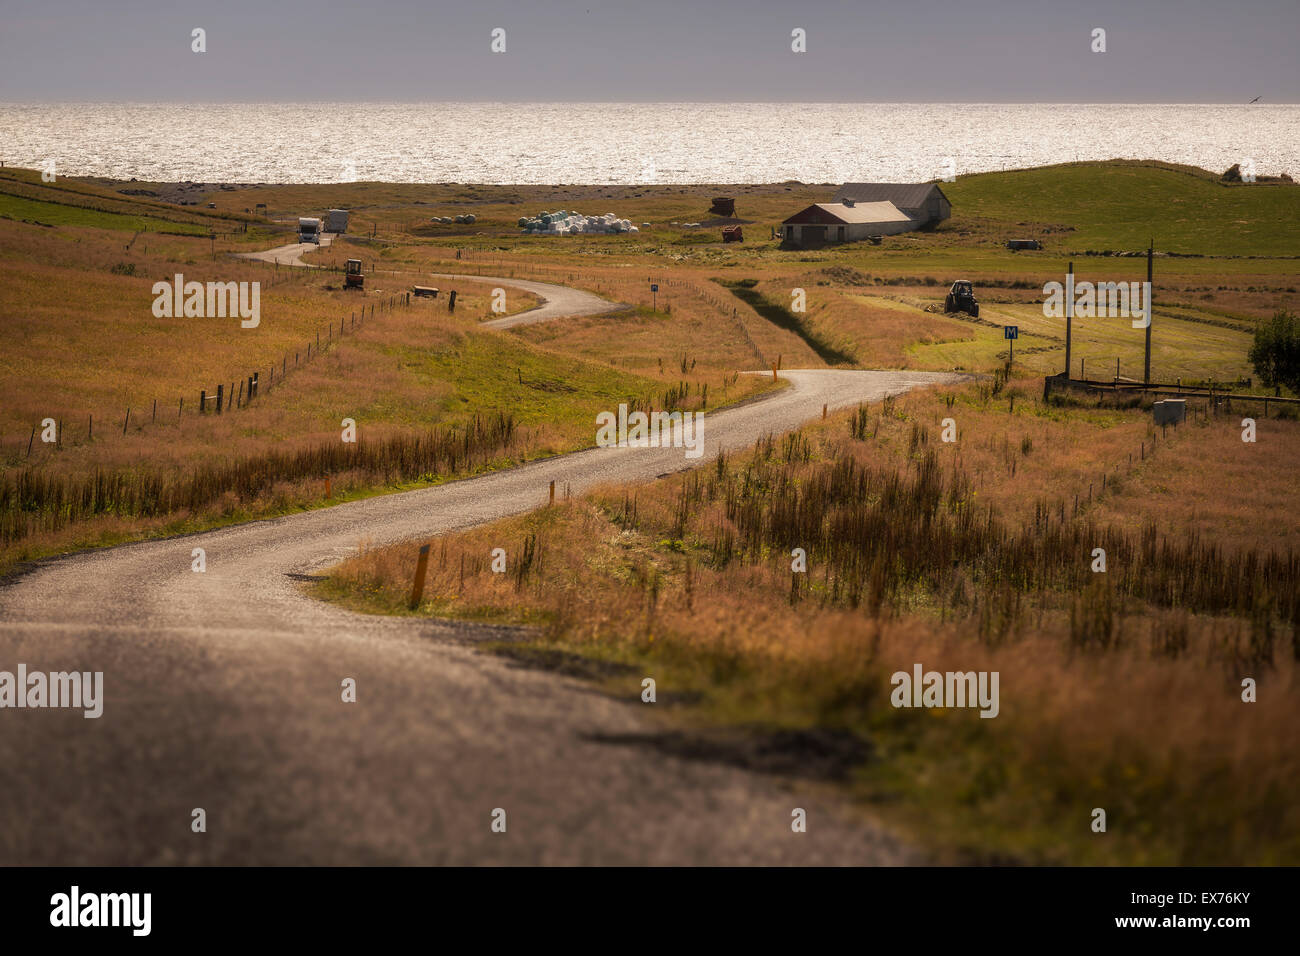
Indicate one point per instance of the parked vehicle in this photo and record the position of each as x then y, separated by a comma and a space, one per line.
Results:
961, 298
353, 276
337, 221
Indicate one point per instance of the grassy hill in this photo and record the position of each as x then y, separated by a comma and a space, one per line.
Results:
1122, 205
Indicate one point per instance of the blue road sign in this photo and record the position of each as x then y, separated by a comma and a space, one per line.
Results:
1011, 331
654, 287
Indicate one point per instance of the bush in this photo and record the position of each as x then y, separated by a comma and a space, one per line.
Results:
1275, 353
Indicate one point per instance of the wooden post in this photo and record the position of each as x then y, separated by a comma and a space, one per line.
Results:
180, 408
155, 409
127, 420
203, 401
239, 399
823, 410
1146, 375
552, 501
1069, 313
421, 570
221, 389
774, 373
33, 438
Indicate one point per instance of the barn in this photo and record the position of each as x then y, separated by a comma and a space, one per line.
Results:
924, 203
830, 222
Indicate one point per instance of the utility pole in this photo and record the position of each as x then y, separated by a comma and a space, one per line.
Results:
1069, 314
1146, 377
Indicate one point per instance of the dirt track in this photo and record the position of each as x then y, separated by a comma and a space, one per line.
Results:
222, 691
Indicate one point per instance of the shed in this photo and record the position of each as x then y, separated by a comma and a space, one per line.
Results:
830, 222
923, 202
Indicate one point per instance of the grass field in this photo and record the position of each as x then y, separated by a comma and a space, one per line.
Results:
1187, 772
990, 537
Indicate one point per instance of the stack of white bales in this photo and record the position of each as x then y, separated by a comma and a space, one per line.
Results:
566, 223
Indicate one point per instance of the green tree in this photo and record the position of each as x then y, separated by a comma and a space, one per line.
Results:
1275, 352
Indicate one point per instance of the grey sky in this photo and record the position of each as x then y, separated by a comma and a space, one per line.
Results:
1183, 51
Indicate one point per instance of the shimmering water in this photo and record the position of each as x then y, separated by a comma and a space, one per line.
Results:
627, 143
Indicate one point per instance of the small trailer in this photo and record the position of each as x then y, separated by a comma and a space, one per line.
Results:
337, 221
425, 291
723, 206
1016, 245
353, 276
732, 234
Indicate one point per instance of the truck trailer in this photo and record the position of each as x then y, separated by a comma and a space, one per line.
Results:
337, 221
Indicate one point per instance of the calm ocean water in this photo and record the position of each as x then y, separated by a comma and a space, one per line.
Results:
627, 143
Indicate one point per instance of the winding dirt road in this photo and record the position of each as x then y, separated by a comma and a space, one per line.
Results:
558, 301
222, 692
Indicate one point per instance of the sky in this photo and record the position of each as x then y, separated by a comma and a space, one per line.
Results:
916, 51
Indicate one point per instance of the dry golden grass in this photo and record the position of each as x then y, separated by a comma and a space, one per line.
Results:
1153, 729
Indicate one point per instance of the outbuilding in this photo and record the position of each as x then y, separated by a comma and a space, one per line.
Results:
924, 203
850, 221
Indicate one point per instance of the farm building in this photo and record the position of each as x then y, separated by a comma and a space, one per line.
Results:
827, 222
924, 203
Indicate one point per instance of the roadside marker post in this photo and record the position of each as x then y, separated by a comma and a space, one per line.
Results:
1011, 333
654, 296
421, 568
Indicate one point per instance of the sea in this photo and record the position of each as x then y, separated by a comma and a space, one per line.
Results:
627, 143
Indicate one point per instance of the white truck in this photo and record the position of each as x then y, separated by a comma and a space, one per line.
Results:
309, 230
337, 221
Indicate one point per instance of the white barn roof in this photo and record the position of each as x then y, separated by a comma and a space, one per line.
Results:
858, 212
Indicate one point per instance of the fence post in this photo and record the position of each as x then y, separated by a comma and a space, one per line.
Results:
180, 408
221, 390
127, 421
155, 409
203, 401
421, 570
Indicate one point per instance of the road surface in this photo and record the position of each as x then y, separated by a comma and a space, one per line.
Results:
222, 693
558, 301
291, 254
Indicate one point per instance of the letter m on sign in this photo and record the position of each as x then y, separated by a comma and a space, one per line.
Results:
1011, 331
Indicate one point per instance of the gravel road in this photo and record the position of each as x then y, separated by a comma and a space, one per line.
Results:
222, 692
558, 301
